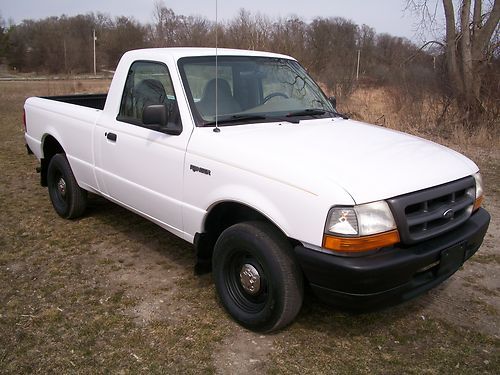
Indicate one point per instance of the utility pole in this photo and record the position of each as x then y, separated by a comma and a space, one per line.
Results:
65, 59
94, 39
357, 66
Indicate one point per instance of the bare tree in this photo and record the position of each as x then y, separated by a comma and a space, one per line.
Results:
122, 35
195, 31
248, 31
3, 38
468, 49
166, 26
289, 37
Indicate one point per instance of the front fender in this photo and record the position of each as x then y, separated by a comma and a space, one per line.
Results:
299, 214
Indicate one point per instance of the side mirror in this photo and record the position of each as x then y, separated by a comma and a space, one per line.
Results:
155, 117
333, 100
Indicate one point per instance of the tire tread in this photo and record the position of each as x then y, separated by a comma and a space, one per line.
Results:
282, 254
78, 196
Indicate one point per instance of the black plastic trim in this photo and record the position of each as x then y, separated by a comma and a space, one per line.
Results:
399, 204
96, 101
393, 274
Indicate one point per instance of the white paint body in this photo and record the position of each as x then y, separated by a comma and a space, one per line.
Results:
291, 173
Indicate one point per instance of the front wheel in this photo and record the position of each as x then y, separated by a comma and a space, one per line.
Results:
69, 199
256, 276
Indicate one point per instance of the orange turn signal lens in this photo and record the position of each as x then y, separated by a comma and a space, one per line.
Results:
364, 243
477, 203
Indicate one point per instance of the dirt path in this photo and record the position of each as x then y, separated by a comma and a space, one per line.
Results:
243, 352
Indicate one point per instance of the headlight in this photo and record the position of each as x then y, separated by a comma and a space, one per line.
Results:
479, 191
360, 228
374, 218
362, 220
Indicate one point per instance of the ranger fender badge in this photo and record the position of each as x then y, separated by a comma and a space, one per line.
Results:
195, 168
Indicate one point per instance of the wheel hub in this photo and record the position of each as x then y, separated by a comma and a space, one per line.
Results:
61, 187
250, 279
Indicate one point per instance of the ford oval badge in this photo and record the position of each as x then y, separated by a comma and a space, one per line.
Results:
448, 214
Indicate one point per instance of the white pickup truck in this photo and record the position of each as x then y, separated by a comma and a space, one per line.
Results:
243, 155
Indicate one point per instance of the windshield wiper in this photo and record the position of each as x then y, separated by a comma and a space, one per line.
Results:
248, 117
315, 112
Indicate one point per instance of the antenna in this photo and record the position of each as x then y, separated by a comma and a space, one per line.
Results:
93, 40
216, 129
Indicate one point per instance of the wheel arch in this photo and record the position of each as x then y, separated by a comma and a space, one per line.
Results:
50, 147
220, 216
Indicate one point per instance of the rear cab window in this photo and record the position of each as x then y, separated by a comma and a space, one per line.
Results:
148, 83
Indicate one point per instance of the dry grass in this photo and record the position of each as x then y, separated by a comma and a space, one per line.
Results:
15, 90
428, 117
113, 293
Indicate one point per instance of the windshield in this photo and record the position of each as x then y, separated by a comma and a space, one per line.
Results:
251, 89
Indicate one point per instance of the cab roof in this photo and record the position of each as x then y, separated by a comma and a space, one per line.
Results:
179, 52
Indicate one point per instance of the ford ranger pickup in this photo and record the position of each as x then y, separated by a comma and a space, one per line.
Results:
242, 154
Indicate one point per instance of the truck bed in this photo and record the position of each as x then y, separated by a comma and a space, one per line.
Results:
96, 101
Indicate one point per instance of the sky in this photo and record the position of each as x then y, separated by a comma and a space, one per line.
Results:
385, 16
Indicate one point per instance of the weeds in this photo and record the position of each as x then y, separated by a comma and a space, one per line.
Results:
427, 115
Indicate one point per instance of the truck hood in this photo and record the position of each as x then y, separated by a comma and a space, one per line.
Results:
369, 162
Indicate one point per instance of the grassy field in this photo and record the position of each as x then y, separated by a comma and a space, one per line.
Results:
113, 293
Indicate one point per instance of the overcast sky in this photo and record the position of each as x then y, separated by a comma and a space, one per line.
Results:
385, 16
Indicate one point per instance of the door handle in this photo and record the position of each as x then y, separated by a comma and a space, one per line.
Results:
111, 136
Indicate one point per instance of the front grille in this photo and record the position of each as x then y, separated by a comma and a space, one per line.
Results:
428, 213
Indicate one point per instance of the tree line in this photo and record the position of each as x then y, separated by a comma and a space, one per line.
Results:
328, 47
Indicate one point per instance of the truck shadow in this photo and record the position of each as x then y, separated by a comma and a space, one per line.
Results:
153, 242
318, 316
127, 226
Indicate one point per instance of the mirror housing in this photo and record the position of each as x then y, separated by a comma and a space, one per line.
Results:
333, 100
155, 117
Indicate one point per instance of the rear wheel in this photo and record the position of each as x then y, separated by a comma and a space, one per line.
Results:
69, 199
256, 276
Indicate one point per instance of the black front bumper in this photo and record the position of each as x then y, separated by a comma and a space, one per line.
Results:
393, 274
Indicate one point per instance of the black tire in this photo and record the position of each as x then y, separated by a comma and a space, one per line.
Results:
257, 247
69, 199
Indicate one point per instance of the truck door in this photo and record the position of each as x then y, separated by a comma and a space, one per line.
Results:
139, 167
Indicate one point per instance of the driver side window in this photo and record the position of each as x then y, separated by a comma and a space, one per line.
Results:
148, 83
